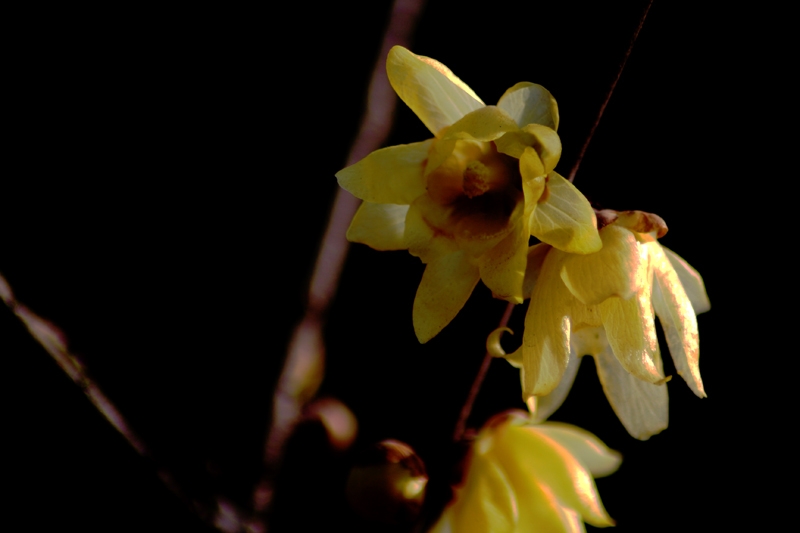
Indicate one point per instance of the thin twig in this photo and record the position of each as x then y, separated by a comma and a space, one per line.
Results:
608, 94
466, 409
302, 371
54, 342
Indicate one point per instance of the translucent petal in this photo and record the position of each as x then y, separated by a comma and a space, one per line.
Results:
502, 268
380, 226
445, 288
642, 407
390, 175
677, 317
691, 281
548, 404
532, 453
529, 103
539, 508
565, 220
547, 144
545, 342
584, 446
487, 502
618, 269
632, 335
484, 124
422, 239
531, 167
543, 140
430, 89
536, 256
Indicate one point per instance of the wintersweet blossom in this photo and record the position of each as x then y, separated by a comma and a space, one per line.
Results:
467, 201
603, 305
524, 477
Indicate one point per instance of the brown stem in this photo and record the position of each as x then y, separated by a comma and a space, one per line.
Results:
54, 342
608, 94
303, 366
466, 409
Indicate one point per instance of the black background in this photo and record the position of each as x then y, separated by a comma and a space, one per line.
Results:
170, 173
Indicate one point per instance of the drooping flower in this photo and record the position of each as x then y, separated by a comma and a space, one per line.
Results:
525, 477
467, 201
603, 305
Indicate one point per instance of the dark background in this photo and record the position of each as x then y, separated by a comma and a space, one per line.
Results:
169, 178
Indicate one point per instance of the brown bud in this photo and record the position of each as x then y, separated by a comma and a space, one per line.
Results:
389, 485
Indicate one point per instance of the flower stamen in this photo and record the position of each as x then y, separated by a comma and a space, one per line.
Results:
476, 179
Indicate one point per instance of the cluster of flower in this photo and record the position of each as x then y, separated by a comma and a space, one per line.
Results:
467, 203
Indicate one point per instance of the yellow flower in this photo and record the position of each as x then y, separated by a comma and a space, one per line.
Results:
524, 477
603, 305
467, 201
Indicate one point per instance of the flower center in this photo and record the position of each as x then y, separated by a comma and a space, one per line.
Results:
476, 179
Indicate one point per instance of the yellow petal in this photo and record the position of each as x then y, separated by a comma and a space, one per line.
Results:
529, 103
503, 267
618, 269
430, 89
488, 502
678, 320
545, 342
632, 335
392, 175
642, 407
531, 167
445, 288
536, 256
380, 226
598, 458
548, 404
422, 237
543, 140
565, 220
532, 453
691, 280
539, 507
484, 124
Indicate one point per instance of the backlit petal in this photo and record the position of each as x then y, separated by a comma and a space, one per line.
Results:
618, 269
691, 281
642, 407
584, 446
536, 256
539, 507
678, 320
548, 404
543, 140
392, 175
632, 335
488, 501
545, 342
529, 103
380, 226
565, 220
484, 124
531, 452
446, 286
430, 89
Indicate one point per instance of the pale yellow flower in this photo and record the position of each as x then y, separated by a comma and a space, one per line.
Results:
603, 304
525, 477
467, 201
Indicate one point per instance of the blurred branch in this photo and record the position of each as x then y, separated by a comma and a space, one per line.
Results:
303, 367
53, 340
603, 106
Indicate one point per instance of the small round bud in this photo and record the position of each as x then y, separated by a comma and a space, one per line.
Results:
389, 485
